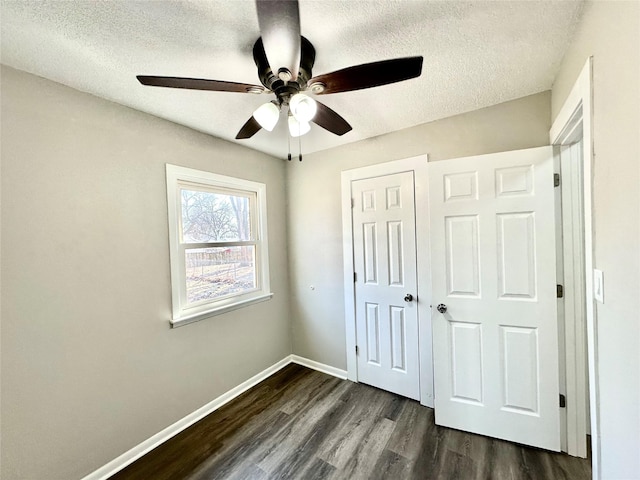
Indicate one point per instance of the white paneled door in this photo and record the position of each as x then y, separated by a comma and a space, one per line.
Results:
495, 340
384, 248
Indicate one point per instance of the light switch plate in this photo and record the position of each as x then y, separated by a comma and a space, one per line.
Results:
598, 285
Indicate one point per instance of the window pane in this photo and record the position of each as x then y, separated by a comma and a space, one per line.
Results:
219, 272
214, 217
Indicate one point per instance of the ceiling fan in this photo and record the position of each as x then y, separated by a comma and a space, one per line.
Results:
284, 59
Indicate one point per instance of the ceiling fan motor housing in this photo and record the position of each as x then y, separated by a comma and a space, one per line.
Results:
284, 90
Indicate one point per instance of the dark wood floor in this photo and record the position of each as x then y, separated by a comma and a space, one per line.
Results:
302, 424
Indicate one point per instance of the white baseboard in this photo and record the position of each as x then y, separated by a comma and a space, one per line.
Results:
130, 456
321, 367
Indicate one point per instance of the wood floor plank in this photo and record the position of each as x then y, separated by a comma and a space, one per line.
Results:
430, 452
311, 386
318, 469
238, 452
303, 424
412, 423
452, 465
503, 461
363, 416
394, 409
361, 463
248, 472
391, 465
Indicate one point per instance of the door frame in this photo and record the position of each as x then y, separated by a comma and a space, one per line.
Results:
417, 165
576, 113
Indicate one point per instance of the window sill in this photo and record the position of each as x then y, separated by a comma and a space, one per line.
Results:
196, 317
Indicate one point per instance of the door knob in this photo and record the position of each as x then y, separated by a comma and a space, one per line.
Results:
442, 308
408, 297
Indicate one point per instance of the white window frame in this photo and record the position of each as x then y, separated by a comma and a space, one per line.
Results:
183, 313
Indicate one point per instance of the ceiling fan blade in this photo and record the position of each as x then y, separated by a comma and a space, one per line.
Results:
199, 84
279, 22
368, 75
249, 129
330, 120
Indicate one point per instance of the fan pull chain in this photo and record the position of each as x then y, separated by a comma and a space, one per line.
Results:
289, 146
299, 148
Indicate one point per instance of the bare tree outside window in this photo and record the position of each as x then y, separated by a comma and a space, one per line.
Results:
214, 217
223, 219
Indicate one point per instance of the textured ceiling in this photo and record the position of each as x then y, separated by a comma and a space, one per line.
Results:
476, 54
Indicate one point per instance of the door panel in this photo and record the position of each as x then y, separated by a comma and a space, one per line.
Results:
398, 340
462, 255
394, 241
373, 334
519, 362
516, 256
370, 237
384, 249
466, 357
493, 263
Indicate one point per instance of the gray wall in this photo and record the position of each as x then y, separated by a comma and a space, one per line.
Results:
90, 367
314, 210
610, 32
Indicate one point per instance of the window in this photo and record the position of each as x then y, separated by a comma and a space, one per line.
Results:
218, 243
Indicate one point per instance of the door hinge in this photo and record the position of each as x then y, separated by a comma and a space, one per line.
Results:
353, 202
563, 401
357, 350
559, 291
556, 179
355, 277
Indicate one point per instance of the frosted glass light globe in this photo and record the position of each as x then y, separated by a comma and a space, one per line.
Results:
303, 107
267, 115
296, 128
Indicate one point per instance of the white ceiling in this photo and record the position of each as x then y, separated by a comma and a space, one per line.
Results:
476, 54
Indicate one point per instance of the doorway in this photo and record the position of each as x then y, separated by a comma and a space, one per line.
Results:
571, 136
386, 254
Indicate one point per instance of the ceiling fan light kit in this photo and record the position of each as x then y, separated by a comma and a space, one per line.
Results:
282, 49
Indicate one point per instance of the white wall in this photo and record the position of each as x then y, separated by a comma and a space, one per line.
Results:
314, 210
90, 367
610, 32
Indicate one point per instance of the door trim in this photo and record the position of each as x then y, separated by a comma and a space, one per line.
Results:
417, 165
578, 110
